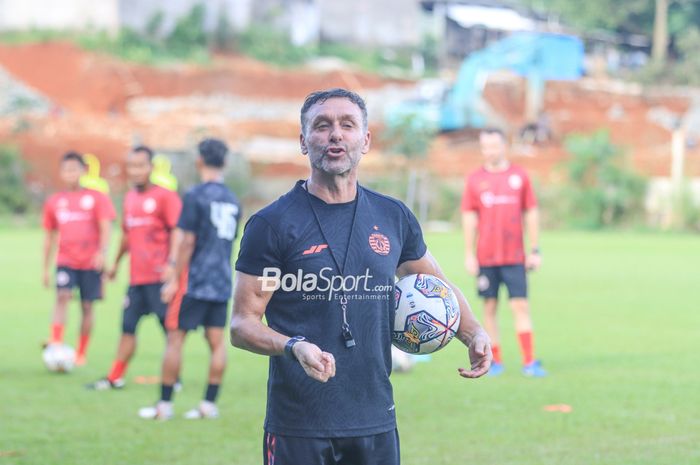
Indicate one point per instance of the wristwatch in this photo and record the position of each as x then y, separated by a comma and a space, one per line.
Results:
290, 344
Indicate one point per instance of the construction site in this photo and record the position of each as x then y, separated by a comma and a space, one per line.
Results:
56, 96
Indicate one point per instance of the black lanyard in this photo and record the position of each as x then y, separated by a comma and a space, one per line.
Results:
345, 328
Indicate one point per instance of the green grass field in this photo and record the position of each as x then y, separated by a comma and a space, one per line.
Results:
616, 320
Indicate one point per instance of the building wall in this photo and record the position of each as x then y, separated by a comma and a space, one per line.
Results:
59, 14
135, 14
393, 23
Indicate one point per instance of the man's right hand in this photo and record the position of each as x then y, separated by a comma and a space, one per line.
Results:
45, 279
112, 273
317, 364
471, 264
168, 273
168, 291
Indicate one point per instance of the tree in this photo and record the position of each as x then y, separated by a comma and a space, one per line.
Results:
668, 23
14, 195
411, 137
602, 189
660, 42
628, 16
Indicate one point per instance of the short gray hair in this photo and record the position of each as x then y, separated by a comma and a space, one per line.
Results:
323, 95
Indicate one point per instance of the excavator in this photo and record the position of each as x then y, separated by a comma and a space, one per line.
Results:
537, 56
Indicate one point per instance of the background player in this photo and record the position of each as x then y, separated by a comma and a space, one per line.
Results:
79, 221
205, 233
150, 215
497, 199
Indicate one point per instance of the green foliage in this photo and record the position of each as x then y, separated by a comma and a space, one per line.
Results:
686, 210
132, 46
391, 185
430, 50
270, 45
224, 38
154, 25
188, 33
684, 69
445, 201
443, 198
273, 46
30, 36
637, 16
186, 42
374, 60
14, 195
238, 175
602, 191
682, 14
189, 41
410, 135
630, 16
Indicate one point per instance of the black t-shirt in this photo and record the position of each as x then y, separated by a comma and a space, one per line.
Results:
212, 212
284, 245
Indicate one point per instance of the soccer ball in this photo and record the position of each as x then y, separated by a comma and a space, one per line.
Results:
427, 314
59, 358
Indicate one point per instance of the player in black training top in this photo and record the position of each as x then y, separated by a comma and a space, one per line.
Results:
320, 264
206, 230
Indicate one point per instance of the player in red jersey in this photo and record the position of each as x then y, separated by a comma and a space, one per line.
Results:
150, 215
498, 199
78, 220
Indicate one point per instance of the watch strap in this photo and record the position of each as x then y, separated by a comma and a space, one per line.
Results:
290, 345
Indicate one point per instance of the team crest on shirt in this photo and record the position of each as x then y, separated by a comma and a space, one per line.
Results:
515, 182
87, 202
487, 199
149, 205
379, 243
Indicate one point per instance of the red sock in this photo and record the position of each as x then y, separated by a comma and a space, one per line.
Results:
526, 347
83, 343
118, 369
56, 333
496, 349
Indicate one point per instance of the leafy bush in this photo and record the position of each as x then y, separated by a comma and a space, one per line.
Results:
187, 41
266, 44
687, 210
274, 46
14, 195
602, 190
223, 37
238, 175
410, 135
188, 34
33, 35
683, 69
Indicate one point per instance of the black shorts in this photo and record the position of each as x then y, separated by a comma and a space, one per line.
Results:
142, 300
491, 277
195, 312
89, 282
377, 449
